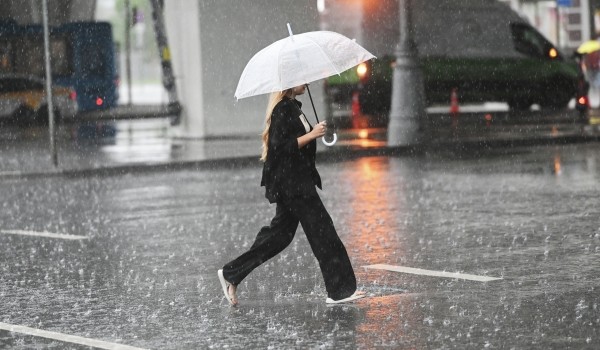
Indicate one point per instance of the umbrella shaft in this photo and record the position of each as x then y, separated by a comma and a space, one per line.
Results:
312, 103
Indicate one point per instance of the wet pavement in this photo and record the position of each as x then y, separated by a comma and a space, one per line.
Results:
143, 271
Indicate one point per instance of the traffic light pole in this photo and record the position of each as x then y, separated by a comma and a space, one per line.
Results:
408, 94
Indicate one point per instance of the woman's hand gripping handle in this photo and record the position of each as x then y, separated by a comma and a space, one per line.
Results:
318, 130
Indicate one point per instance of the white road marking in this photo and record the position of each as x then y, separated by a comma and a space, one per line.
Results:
66, 337
423, 272
10, 173
42, 234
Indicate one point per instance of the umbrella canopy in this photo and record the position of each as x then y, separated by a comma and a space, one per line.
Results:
297, 60
589, 47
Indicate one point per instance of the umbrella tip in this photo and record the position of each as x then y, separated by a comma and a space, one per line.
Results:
290, 29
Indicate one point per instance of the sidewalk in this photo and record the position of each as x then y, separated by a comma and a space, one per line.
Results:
124, 146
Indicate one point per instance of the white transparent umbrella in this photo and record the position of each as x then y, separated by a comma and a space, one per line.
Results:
297, 60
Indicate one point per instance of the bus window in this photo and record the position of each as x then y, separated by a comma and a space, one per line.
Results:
60, 54
18, 84
95, 61
30, 55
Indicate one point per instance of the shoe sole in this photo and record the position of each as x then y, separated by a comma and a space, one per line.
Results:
224, 286
345, 300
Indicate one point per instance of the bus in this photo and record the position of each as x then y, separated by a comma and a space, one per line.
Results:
82, 56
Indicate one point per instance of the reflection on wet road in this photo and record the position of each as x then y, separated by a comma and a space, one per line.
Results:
146, 274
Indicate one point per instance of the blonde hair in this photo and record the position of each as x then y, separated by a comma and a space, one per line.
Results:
274, 99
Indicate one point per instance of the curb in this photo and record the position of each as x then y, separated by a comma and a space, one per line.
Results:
335, 154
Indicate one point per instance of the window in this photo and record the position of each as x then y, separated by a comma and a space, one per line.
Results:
94, 59
529, 42
5, 59
29, 55
19, 84
60, 56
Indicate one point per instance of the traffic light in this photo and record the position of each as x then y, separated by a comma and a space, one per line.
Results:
137, 16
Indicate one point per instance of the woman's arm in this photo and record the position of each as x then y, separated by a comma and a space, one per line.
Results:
315, 133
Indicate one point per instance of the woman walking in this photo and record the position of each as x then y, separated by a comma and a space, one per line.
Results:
290, 177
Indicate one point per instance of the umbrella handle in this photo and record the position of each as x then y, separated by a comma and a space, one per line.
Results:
317, 118
332, 141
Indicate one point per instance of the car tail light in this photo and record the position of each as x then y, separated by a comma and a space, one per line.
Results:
73, 95
99, 101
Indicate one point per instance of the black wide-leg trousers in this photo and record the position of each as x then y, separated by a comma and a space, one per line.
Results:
327, 247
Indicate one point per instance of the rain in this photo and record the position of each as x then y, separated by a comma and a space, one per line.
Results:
469, 213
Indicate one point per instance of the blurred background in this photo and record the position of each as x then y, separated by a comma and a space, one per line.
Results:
167, 71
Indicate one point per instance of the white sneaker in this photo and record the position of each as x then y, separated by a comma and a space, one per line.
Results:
356, 295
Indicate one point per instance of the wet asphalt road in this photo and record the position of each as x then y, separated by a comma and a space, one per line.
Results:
145, 275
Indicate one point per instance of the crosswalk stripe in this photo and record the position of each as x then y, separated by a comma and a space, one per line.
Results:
416, 271
42, 234
65, 337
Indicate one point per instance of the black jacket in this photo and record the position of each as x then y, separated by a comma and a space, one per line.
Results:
289, 171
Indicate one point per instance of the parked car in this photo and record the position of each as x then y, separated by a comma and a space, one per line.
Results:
23, 98
481, 49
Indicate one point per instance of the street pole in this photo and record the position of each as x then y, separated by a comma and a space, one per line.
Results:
557, 25
49, 102
128, 49
408, 94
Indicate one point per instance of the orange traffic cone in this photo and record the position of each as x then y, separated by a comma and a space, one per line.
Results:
454, 102
359, 120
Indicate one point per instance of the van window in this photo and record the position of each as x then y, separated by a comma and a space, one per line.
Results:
529, 42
